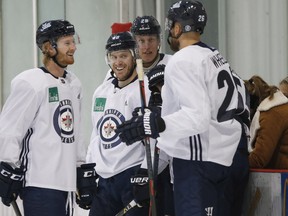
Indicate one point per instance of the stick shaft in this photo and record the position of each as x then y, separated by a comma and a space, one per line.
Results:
16, 208
152, 209
131, 205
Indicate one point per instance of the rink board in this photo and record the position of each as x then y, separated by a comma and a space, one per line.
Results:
266, 194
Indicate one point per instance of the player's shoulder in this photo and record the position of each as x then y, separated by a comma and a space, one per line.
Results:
164, 58
74, 80
104, 86
28, 74
31, 76
196, 53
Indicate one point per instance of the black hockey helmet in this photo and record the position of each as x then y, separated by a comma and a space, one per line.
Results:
156, 77
145, 25
53, 29
120, 41
190, 14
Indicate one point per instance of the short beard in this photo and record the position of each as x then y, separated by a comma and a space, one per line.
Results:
174, 44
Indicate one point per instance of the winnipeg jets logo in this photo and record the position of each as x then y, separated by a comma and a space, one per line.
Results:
177, 4
66, 120
109, 128
45, 26
106, 127
63, 121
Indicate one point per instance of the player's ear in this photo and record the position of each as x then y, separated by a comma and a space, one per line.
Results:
177, 28
48, 49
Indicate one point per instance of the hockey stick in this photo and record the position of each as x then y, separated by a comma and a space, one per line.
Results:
156, 163
140, 72
130, 205
16, 208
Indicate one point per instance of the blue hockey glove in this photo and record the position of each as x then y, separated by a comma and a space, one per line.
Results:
11, 182
140, 183
86, 184
138, 127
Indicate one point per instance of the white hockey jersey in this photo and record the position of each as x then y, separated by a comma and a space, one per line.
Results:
40, 128
111, 106
200, 101
163, 158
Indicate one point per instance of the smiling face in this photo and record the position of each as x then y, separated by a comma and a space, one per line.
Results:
121, 62
66, 48
148, 47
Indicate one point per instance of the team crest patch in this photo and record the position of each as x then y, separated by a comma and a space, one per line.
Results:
99, 104
64, 121
53, 94
106, 127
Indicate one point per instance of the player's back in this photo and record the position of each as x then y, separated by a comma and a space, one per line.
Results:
200, 99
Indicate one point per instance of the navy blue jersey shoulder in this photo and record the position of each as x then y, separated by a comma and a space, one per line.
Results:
201, 44
46, 71
161, 57
115, 82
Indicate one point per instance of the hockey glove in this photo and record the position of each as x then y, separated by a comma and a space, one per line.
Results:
155, 100
156, 77
138, 127
140, 183
153, 108
86, 184
11, 182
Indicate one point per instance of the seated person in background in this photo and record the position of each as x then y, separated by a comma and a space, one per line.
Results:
269, 126
283, 86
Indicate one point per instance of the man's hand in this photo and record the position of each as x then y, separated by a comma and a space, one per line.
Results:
11, 182
140, 183
86, 184
150, 124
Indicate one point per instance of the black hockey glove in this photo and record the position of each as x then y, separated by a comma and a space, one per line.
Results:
138, 127
155, 102
138, 111
86, 184
156, 77
11, 182
140, 183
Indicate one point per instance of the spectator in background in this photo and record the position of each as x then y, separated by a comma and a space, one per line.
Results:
269, 126
283, 86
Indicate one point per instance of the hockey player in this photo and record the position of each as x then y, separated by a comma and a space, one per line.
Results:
147, 33
40, 143
201, 124
113, 103
164, 187
117, 28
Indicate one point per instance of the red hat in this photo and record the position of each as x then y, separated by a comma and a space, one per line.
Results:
120, 27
